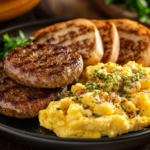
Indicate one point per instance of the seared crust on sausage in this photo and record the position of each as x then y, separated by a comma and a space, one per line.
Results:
22, 101
43, 65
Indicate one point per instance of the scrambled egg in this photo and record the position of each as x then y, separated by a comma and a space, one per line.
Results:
110, 100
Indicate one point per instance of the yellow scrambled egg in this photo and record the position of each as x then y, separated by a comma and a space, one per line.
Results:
112, 100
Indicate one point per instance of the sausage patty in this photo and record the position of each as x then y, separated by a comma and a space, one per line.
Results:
43, 65
21, 101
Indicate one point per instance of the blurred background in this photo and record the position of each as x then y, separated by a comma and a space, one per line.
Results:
15, 12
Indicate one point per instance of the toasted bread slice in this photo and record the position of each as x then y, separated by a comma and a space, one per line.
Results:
110, 39
80, 35
134, 42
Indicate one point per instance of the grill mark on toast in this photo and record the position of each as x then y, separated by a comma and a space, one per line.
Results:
129, 48
86, 45
105, 31
70, 35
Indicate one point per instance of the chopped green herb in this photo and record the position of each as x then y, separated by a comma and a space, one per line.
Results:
129, 96
58, 108
95, 93
108, 63
93, 101
87, 107
116, 84
96, 73
133, 79
91, 85
113, 89
93, 114
108, 91
123, 109
113, 71
102, 75
137, 71
77, 97
61, 96
71, 93
130, 76
97, 115
102, 67
123, 101
79, 102
106, 85
121, 94
138, 112
124, 77
98, 86
126, 83
105, 77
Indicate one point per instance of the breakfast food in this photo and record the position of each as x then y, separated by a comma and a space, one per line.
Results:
112, 101
110, 39
80, 35
22, 101
134, 42
43, 65
109, 99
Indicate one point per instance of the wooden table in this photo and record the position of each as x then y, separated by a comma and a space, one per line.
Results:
47, 9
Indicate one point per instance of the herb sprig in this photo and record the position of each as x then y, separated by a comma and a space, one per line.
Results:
8, 44
139, 7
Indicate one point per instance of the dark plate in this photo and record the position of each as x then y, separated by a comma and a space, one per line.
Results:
29, 133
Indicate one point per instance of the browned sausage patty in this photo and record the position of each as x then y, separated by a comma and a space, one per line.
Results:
43, 65
21, 101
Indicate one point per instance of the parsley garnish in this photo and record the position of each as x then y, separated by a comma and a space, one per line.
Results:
96, 73
95, 93
113, 71
106, 85
79, 102
9, 44
121, 94
116, 84
138, 112
129, 96
137, 71
124, 77
87, 107
61, 96
123, 109
91, 85
58, 108
71, 93
93, 101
